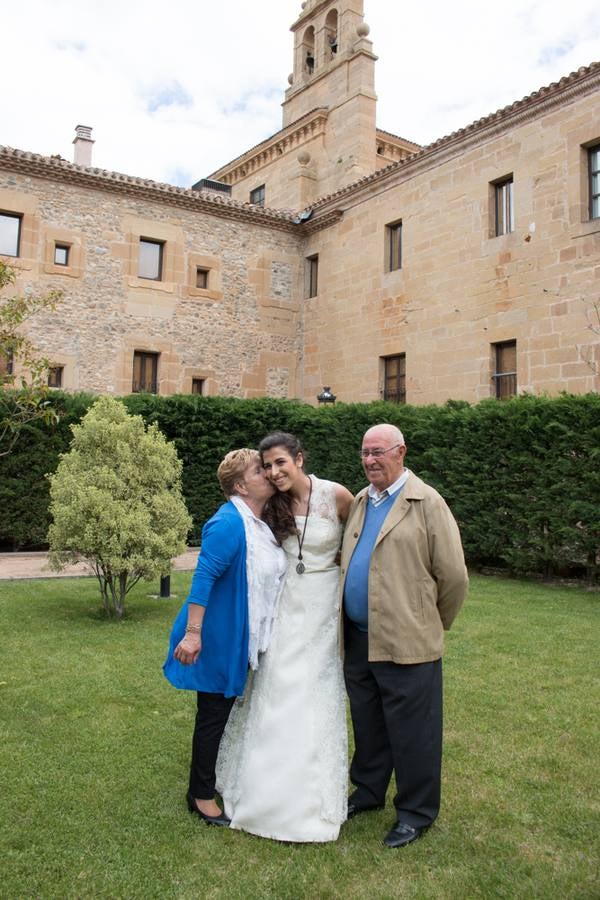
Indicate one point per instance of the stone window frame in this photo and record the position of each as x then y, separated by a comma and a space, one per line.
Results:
68, 365
5, 214
25, 206
160, 233
579, 143
502, 376
62, 237
189, 374
212, 264
169, 368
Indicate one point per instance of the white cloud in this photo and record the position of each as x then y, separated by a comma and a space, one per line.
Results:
175, 90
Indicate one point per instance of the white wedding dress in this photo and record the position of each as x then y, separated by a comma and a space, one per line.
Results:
282, 767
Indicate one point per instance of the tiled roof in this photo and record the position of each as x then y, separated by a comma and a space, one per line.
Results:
101, 179
528, 104
397, 137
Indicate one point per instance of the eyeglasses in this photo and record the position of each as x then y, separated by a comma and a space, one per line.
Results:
377, 453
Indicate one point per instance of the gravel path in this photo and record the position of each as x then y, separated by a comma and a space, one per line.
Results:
35, 565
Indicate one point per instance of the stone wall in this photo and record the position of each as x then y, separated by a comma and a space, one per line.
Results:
241, 333
461, 289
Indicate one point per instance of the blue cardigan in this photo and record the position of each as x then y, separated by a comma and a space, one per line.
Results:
219, 584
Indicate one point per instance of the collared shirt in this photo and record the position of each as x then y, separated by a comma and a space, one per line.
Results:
356, 588
376, 497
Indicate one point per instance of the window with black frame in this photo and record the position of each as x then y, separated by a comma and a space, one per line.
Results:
594, 178
10, 234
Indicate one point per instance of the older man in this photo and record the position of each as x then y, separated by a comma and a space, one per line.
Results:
403, 582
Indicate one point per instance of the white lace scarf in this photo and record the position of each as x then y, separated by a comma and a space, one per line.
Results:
265, 567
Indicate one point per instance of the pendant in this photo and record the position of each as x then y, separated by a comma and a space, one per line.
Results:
300, 568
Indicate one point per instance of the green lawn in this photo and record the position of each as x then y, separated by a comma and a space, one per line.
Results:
95, 745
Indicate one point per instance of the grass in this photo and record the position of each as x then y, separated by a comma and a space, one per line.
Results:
95, 745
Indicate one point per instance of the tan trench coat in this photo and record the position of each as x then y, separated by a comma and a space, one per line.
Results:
417, 577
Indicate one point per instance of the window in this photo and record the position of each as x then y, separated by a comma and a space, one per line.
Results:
202, 278
55, 376
394, 378
393, 233
198, 385
61, 254
10, 234
257, 196
6, 364
312, 275
504, 207
145, 371
504, 377
151, 259
594, 170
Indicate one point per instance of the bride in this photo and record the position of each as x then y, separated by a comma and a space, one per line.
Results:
282, 767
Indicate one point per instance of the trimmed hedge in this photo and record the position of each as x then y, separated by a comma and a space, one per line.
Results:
522, 477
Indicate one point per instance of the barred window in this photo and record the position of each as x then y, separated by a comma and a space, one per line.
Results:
394, 378
504, 377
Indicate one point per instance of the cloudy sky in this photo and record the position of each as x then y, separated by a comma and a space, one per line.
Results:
175, 88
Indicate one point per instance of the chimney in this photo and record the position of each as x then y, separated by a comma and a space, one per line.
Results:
82, 155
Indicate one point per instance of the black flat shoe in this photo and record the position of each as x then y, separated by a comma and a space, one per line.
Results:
210, 820
355, 810
402, 834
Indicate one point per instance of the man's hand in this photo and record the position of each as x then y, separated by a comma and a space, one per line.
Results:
188, 649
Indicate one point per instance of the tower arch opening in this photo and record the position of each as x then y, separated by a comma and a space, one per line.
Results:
331, 32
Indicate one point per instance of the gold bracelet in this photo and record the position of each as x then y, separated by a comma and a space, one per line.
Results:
194, 629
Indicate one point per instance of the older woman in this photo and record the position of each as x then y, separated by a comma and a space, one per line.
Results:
227, 618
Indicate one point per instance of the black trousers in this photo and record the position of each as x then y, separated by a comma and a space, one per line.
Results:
397, 722
211, 718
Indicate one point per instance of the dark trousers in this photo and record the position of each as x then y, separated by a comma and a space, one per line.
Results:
397, 722
211, 718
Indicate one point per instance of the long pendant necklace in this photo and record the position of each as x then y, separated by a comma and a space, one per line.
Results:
301, 568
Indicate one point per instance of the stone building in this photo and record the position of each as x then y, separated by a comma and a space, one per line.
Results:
333, 253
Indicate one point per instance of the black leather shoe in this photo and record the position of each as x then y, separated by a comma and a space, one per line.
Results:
402, 834
210, 820
355, 810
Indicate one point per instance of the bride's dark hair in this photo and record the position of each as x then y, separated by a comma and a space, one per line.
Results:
278, 510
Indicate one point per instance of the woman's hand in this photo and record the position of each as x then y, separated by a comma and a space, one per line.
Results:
188, 649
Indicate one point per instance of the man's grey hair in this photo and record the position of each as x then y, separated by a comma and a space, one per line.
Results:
391, 431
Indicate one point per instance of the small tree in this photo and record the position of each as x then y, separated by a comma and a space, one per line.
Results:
23, 373
116, 502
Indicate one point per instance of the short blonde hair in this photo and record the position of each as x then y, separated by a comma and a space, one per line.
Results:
232, 468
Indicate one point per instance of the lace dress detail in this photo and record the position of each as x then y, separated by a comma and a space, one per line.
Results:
282, 767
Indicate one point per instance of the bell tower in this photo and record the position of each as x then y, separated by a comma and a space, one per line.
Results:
334, 70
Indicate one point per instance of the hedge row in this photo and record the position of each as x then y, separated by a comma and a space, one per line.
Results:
522, 477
